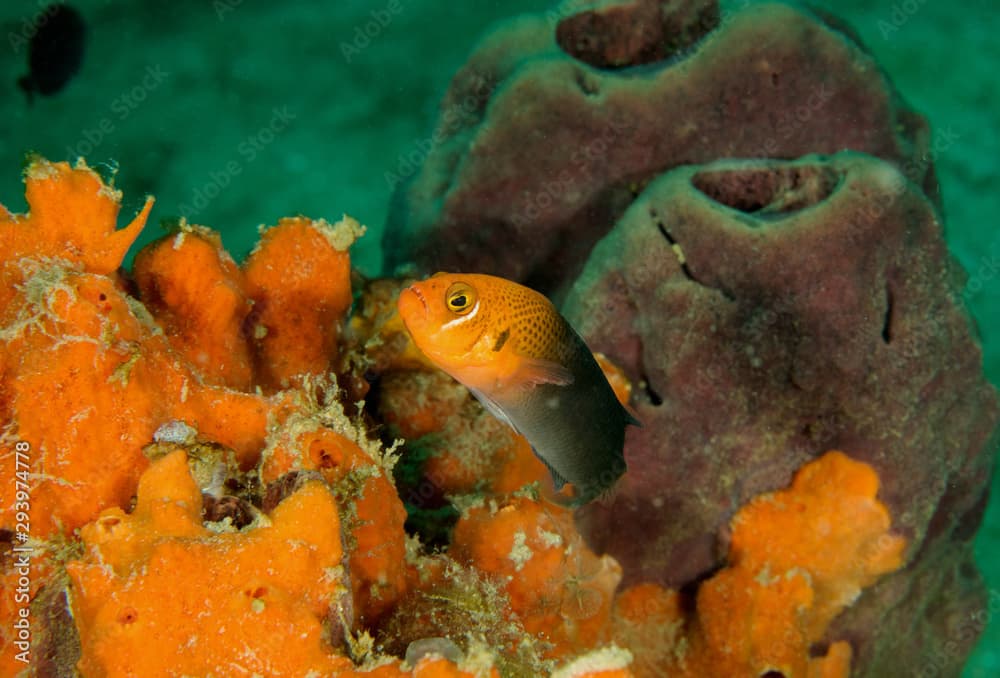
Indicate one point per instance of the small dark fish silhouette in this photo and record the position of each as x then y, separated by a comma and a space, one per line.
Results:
55, 51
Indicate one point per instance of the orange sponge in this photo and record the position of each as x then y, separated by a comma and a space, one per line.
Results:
86, 375
196, 292
252, 601
797, 559
559, 588
299, 278
309, 436
72, 218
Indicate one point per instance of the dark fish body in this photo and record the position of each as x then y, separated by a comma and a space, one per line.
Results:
55, 52
576, 429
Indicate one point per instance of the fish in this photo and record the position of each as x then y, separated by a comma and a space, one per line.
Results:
526, 364
55, 51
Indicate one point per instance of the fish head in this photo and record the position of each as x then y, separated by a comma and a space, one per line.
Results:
448, 317
489, 333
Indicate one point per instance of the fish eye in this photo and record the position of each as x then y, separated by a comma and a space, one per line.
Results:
460, 298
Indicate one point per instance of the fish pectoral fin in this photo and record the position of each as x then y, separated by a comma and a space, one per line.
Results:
493, 407
535, 371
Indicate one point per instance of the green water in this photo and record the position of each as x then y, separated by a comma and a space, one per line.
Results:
238, 112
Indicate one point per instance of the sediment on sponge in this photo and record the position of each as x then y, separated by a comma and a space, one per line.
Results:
459, 603
311, 435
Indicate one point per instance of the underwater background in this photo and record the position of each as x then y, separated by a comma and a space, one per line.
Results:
234, 113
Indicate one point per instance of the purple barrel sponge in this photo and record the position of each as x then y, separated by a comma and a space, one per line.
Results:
774, 310
557, 122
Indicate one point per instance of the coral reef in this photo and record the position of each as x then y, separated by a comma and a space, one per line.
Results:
94, 386
220, 468
265, 533
550, 130
766, 310
807, 305
162, 496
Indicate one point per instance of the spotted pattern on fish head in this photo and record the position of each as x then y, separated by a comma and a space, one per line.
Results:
477, 327
536, 328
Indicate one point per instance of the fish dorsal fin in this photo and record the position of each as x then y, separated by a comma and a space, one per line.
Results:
535, 371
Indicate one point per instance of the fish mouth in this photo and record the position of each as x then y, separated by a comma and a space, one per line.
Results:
409, 308
420, 296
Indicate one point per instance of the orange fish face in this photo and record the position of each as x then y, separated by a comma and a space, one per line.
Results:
448, 319
486, 332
